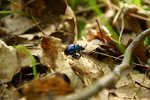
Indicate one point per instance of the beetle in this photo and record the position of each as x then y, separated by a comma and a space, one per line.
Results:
74, 50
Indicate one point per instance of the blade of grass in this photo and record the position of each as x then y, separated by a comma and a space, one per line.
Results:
137, 2
73, 3
114, 35
34, 67
10, 12
121, 15
6, 12
82, 32
32, 58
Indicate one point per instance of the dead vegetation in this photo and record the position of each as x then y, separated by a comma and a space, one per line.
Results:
113, 66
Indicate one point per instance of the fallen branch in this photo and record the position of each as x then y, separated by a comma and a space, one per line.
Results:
111, 79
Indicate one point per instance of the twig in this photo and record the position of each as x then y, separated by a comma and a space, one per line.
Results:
139, 17
109, 81
117, 58
141, 85
122, 27
35, 22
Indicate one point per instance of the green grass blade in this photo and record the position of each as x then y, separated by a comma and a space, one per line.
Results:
114, 35
137, 2
32, 58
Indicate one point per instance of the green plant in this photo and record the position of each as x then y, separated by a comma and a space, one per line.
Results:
147, 41
75, 3
32, 58
137, 2
82, 23
113, 34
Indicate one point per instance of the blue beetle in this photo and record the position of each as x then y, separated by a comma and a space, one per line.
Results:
74, 50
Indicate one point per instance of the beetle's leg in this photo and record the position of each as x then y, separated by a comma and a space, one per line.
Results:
80, 52
76, 55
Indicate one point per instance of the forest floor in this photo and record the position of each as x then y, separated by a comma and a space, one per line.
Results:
74, 50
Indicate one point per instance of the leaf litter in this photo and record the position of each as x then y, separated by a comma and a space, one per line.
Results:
57, 74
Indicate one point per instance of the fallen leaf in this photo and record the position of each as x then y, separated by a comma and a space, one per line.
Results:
126, 37
140, 78
47, 13
51, 49
130, 23
126, 91
8, 62
36, 6
24, 56
140, 53
8, 92
143, 93
48, 86
14, 25
68, 36
53, 57
11, 39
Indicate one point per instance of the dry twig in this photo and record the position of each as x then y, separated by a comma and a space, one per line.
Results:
111, 79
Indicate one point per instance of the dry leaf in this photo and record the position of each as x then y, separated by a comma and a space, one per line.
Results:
43, 8
48, 87
8, 62
36, 6
126, 91
14, 25
51, 49
126, 37
131, 90
126, 87
24, 56
140, 78
69, 26
130, 23
140, 53
53, 57
47, 13
8, 92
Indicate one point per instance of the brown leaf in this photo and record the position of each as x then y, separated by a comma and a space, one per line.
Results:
45, 7
57, 7
36, 6
49, 12
107, 39
50, 44
51, 49
53, 57
11, 39
47, 86
140, 52
9, 92
126, 37
126, 91
134, 19
16, 24
69, 35
24, 56
8, 63
102, 35
66, 38
72, 29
